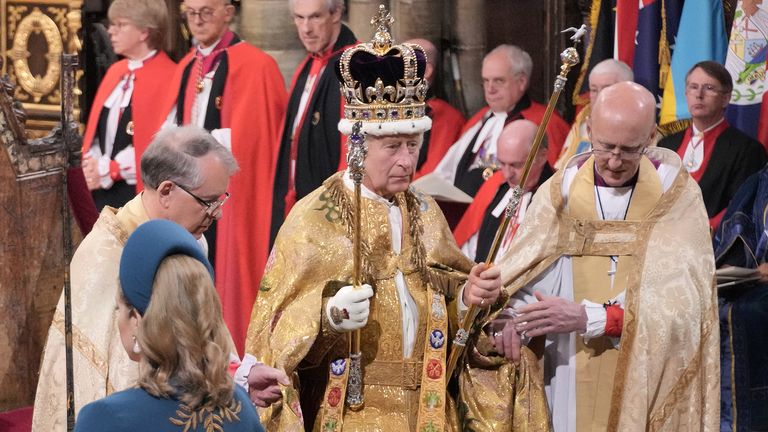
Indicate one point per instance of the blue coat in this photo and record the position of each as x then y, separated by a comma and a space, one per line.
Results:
137, 410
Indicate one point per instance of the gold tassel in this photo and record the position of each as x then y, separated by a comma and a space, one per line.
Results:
419, 254
664, 52
673, 127
338, 196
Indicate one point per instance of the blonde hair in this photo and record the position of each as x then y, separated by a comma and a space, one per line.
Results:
183, 338
150, 15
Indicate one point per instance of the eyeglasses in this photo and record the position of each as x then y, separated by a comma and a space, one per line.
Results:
121, 24
205, 14
708, 89
608, 151
211, 207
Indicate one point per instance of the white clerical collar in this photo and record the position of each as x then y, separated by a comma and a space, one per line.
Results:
696, 131
137, 64
209, 49
502, 114
365, 192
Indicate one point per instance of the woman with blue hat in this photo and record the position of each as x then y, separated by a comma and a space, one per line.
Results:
170, 321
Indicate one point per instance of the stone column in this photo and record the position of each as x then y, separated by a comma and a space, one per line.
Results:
360, 13
418, 19
268, 25
469, 32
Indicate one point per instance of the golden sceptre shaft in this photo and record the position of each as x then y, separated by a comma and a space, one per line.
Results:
569, 58
355, 157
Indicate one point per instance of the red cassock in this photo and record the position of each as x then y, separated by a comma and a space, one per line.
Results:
447, 125
252, 106
473, 217
557, 129
150, 85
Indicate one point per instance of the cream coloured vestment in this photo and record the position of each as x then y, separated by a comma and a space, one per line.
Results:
100, 364
666, 375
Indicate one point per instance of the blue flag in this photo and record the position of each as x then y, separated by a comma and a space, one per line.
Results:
700, 36
746, 63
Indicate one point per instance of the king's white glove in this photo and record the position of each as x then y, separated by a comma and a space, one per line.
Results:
348, 309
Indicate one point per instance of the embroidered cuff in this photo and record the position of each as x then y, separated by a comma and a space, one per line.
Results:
244, 369
596, 318
462, 307
614, 320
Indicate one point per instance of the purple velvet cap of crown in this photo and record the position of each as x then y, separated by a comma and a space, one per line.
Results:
365, 67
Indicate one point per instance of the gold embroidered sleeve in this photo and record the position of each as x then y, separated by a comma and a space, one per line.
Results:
326, 339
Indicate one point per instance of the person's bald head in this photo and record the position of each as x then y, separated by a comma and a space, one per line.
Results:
627, 105
433, 57
512, 150
607, 73
622, 124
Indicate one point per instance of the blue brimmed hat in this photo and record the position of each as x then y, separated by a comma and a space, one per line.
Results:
145, 249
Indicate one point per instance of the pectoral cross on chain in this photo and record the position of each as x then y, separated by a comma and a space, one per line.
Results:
614, 264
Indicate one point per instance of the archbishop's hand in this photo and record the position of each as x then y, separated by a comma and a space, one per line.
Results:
348, 309
264, 384
506, 339
551, 314
483, 286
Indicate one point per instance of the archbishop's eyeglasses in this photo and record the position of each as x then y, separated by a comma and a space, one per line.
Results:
608, 151
211, 207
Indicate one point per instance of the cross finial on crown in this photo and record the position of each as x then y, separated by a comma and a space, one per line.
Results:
382, 40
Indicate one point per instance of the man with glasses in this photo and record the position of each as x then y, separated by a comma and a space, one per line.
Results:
186, 174
613, 267
718, 156
506, 76
235, 91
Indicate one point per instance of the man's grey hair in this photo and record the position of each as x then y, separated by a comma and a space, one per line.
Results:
519, 60
331, 5
612, 66
173, 154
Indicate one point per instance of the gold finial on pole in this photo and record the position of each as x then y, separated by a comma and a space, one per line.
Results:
569, 58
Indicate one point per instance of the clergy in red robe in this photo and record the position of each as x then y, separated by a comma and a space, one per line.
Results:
477, 228
447, 121
310, 144
719, 157
125, 113
447, 124
506, 76
235, 91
